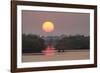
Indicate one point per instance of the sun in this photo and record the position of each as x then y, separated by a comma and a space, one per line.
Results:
48, 26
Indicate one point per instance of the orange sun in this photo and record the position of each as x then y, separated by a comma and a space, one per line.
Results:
48, 26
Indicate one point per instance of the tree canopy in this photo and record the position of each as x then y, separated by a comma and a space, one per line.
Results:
73, 42
32, 43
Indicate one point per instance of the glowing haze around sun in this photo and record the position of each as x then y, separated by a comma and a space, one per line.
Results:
48, 26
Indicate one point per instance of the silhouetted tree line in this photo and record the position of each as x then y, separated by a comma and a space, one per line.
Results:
35, 44
73, 42
32, 43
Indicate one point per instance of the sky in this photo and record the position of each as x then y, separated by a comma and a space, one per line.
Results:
67, 23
